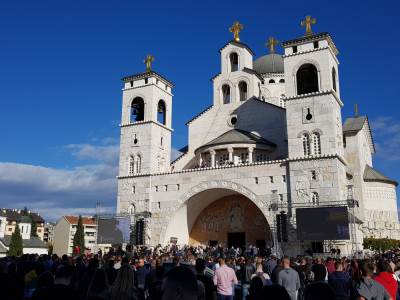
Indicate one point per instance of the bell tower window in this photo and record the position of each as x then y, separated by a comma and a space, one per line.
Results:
226, 94
316, 143
334, 79
161, 116
137, 110
243, 90
234, 61
306, 144
307, 79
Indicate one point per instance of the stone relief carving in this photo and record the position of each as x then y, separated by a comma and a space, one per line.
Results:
235, 217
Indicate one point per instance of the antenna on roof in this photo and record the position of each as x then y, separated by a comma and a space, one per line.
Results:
356, 114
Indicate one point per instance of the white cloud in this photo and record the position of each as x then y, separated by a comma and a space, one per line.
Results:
386, 131
54, 192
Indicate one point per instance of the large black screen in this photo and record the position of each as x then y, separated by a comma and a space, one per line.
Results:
322, 223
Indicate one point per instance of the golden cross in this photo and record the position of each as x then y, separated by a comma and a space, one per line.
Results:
235, 29
272, 42
148, 60
308, 22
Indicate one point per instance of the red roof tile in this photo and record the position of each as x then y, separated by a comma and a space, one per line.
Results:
85, 220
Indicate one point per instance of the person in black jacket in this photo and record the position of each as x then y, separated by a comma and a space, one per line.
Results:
340, 282
319, 270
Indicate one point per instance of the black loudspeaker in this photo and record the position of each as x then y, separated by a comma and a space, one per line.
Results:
139, 232
281, 227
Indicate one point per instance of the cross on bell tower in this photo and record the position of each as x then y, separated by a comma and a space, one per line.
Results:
307, 22
147, 61
236, 28
272, 42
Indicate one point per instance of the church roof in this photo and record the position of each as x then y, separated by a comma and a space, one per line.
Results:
237, 136
238, 44
16, 215
311, 38
270, 63
354, 124
146, 75
371, 175
33, 242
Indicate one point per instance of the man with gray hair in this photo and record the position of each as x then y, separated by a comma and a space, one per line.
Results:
289, 279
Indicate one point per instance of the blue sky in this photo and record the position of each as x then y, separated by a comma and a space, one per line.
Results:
60, 89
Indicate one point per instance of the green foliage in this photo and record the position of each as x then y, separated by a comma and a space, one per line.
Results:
33, 227
79, 237
16, 246
381, 245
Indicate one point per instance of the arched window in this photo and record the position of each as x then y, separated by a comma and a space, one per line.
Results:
234, 60
243, 90
137, 110
306, 144
307, 79
137, 164
334, 79
282, 80
161, 112
315, 198
316, 140
226, 94
131, 165
271, 81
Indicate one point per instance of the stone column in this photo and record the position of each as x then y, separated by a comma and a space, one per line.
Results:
212, 153
230, 152
200, 160
250, 151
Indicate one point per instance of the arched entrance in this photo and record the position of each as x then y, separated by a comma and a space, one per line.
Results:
218, 212
231, 221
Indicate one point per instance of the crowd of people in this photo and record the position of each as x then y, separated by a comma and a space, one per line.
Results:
204, 273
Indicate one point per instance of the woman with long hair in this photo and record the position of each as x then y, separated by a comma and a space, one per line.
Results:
123, 287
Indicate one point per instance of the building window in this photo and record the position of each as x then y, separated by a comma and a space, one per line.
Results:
131, 83
226, 94
137, 110
146, 81
283, 178
307, 79
306, 144
314, 198
313, 175
234, 60
316, 45
133, 189
271, 179
178, 186
131, 165
271, 81
316, 143
137, 164
282, 80
243, 158
334, 79
161, 112
256, 179
243, 90
281, 197
294, 48
223, 159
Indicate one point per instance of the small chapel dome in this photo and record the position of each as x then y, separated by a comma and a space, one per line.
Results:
270, 63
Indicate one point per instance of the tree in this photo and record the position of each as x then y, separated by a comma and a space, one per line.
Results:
79, 237
16, 246
33, 227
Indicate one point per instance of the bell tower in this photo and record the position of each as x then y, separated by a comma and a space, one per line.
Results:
313, 101
146, 123
313, 114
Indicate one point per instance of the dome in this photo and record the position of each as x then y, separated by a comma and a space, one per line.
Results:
270, 63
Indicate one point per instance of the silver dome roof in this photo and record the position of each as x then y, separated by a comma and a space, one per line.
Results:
270, 63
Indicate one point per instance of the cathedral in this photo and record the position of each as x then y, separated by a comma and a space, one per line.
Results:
273, 140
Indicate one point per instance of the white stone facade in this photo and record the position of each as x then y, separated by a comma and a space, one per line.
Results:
289, 147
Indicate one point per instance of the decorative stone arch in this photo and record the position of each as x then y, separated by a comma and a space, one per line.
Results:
215, 184
228, 60
237, 88
231, 87
317, 130
301, 133
298, 66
